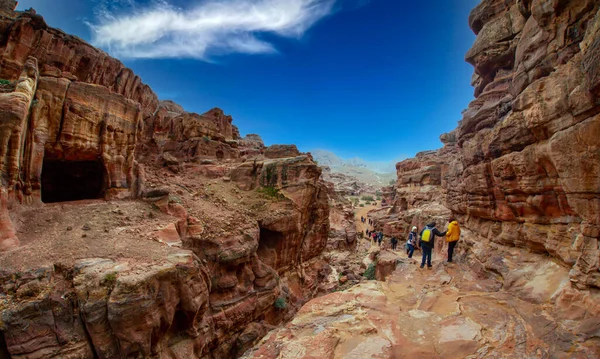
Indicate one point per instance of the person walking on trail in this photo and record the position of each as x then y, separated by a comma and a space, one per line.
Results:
427, 242
374, 236
394, 242
452, 237
380, 238
411, 242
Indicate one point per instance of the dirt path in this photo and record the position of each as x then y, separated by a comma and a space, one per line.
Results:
362, 211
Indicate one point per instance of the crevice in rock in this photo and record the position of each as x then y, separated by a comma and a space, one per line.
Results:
62, 114
88, 337
4, 354
309, 224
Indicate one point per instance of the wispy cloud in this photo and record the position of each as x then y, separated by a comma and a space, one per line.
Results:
162, 30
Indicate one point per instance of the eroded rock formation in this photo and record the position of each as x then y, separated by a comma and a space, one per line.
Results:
201, 240
448, 312
521, 173
521, 169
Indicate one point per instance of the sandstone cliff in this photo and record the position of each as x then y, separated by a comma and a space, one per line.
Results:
521, 173
521, 170
184, 240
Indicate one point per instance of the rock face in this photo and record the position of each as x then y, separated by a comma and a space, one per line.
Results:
8, 5
172, 236
521, 175
347, 185
521, 168
342, 234
452, 311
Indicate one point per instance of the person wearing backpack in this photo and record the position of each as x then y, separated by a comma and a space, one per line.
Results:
452, 237
427, 242
411, 242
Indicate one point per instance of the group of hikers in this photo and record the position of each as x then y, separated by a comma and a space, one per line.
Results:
364, 220
374, 236
423, 240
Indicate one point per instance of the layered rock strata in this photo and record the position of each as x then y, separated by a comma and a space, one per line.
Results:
521, 174
213, 240
521, 168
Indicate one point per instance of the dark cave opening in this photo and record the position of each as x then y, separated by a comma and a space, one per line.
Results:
268, 246
3, 347
72, 180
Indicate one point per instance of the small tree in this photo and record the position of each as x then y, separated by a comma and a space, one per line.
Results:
280, 303
370, 272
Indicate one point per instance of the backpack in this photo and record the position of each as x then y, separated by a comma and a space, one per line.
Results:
426, 235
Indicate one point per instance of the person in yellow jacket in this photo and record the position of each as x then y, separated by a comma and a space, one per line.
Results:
452, 237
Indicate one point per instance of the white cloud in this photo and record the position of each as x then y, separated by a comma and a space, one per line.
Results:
162, 30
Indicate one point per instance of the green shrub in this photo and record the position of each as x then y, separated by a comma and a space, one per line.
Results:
280, 303
392, 182
362, 205
370, 272
4, 82
110, 280
367, 198
205, 139
379, 198
270, 175
270, 192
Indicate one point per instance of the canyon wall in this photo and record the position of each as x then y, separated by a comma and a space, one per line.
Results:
198, 241
521, 173
521, 170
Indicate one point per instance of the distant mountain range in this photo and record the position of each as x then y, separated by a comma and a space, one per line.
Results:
377, 174
328, 158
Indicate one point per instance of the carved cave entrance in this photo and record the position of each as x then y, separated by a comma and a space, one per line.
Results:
268, 244
72, 180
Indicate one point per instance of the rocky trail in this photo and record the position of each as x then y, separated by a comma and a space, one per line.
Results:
449, 311
362, 212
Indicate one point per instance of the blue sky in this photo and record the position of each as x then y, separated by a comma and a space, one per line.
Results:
378, 79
